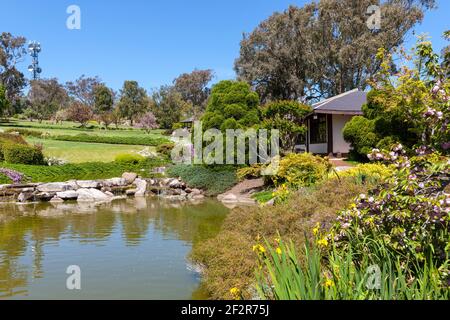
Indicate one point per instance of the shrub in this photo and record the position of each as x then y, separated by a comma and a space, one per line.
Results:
253, 171
214, 180
231, 105
244, 225
6, 138
25, 132
360, 133
374, 172
13, 138
300, 170
407, 216
126, 158
165, 149
24, 154
177, 125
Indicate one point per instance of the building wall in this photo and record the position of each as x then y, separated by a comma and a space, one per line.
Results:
339, 144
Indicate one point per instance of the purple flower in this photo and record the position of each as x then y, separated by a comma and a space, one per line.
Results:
15, 176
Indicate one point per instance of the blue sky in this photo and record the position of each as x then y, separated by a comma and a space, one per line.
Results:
152, 41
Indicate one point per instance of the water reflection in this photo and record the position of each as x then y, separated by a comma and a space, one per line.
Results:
121, 245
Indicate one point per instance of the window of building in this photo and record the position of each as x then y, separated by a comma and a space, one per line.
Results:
318, 128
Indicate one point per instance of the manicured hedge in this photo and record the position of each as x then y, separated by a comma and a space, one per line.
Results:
214, 180
82, 171
21, 153
145, 141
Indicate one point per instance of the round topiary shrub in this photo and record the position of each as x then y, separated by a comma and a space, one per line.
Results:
22, 154
300, 170
165, 149
127, 158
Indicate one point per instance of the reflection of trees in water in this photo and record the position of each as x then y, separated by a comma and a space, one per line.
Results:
31, 226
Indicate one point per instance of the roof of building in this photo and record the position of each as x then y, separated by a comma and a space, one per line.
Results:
349, 102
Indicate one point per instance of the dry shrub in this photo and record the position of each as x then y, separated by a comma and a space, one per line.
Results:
229, 259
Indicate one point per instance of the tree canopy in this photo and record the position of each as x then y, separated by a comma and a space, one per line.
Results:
231, 105
133, 100
193, 88
12, 51
322, 49
46, 97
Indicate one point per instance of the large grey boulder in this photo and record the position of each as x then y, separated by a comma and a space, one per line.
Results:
25, 196
67, 195
44, 196
88, 183
115, 182
141, 187
91, 195
55, 187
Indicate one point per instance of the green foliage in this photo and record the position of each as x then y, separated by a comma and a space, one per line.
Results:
165, 149
243, 226
335, 276
177, 125
360, 132
407, 216
103, 99
145, 141
133, 100
4, 103
25, 132
411, 108
250, 172
300, 170
83, 171
288, 117
263, 196
21, 153
231, 105
126, 158
213, 180
374, 172
168, 106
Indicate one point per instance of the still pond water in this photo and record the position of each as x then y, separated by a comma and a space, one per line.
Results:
128, 249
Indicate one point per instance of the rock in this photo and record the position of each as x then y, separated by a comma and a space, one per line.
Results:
198, 197
87, 184
188, 190
44, 196
229, 198
131, 192
175, 184
109, 193
67, 195
196, 191
25, 196
129, 177
269, 203
91, 194
56, 199
141, 187
106, 189
115, 182
55, 187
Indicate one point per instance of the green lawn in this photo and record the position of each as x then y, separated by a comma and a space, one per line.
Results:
79, 152
71, 128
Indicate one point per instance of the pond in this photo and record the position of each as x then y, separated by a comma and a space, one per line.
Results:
127, 249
